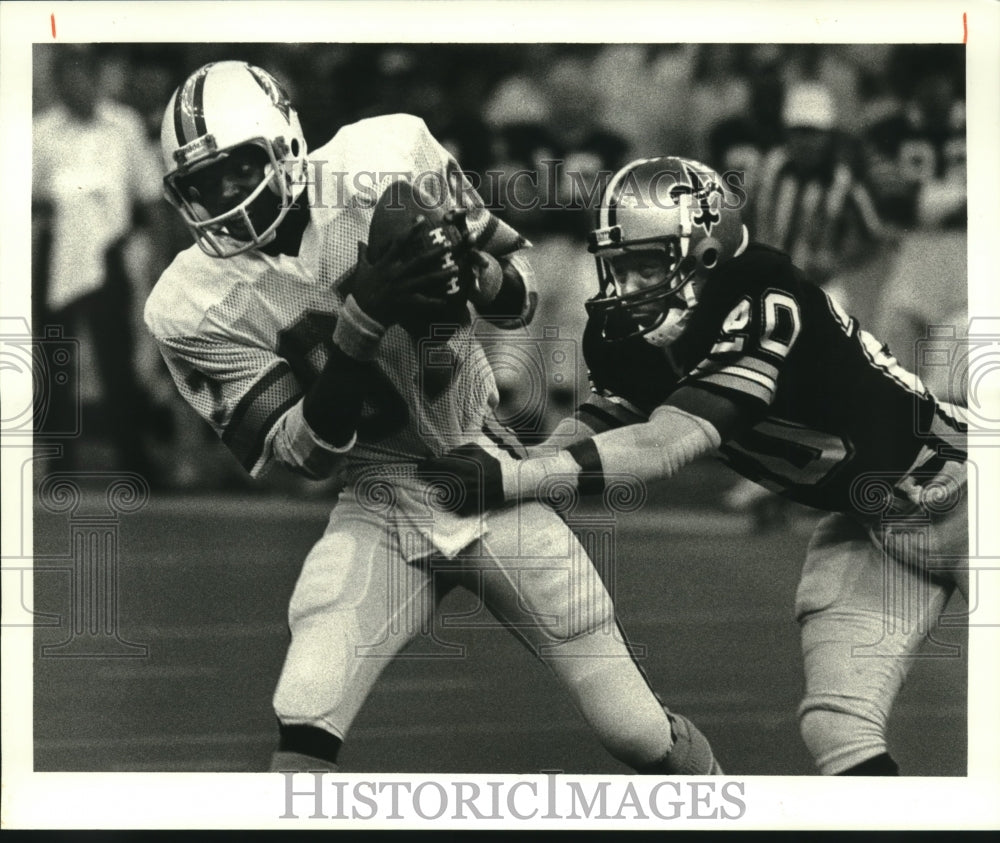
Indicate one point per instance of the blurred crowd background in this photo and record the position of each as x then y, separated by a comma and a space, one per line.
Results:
853, 158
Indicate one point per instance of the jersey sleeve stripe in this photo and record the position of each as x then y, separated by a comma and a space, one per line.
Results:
755, 364
603, 414
954, 416
499, 239
588, 457
760, 366
256, 452
745, 381
258, 411
764, 380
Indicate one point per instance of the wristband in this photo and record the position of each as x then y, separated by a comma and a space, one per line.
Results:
586, 455
357, 334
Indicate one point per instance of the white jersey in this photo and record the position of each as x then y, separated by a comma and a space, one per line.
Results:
244, 337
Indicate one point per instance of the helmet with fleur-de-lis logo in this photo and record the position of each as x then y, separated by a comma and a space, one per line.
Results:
674, 205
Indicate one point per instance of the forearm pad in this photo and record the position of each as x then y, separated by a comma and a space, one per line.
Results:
297, 446
654, 450
357, 335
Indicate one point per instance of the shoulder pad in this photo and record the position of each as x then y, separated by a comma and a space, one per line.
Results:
759, 264
400, 129
185, 291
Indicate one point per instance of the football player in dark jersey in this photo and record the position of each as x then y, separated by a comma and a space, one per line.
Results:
698, 340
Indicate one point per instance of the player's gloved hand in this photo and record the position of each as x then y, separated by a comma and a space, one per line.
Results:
470, 479
473, 480
402, 281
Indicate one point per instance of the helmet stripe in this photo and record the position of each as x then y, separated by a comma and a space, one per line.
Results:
613, 192
178, 119
189, 108
611, 197
198, 105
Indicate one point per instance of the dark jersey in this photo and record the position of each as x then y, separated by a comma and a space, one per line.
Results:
825, 401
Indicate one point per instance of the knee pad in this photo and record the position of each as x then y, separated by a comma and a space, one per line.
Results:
546, 583
334, 577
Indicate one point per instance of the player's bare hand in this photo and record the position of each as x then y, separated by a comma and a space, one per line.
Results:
488, 278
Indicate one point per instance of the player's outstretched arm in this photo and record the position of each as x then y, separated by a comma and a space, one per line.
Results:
600, 412
652, 450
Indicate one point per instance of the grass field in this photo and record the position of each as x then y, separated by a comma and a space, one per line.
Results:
204, 582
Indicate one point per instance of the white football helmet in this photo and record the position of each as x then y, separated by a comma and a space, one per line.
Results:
671, 204
222, 106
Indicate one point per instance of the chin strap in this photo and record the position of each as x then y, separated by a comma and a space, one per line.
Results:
675, 320
744, 242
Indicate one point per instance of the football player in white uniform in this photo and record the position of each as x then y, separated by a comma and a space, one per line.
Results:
303, 349
699, 340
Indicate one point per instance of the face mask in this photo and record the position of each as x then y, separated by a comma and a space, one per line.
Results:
677, 318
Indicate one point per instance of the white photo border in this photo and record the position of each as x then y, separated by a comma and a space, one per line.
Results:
256, 801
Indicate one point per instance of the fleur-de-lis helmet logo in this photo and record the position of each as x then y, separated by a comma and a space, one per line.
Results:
702, 194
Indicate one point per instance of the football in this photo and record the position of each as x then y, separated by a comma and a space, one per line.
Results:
392, 219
